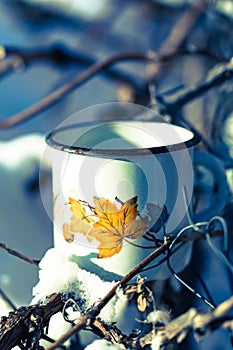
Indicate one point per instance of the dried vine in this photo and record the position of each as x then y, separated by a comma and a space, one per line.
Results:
27, 324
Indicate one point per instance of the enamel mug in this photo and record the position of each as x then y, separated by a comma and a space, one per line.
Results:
122, 180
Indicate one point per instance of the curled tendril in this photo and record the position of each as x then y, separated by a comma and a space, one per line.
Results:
222, 255
194, 291
70, 303
202, 227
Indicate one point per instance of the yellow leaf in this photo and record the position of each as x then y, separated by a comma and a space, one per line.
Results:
115, 225
142, 303
79, 211
108, 252
68, 236
78, 226
130, 209
110, 242
107, 212
80, 221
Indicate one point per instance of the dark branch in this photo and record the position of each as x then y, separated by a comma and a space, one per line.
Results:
26, 324
61, 92
7, 299
59, 55
19, 255
176, 37
215, 77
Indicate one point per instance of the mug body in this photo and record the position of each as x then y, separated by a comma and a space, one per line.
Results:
119, 187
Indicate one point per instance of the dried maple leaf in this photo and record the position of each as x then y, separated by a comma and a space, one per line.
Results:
67, 234
79, 211
158, 216
116, 225
80, 221
142, 292
142, 302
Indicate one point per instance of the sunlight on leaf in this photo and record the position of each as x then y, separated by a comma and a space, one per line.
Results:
116, 225
106, 222
142, 303
142, 292
80, 221
79, 211
69, 236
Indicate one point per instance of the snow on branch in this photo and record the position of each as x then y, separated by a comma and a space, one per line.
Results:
200, 322
27, 323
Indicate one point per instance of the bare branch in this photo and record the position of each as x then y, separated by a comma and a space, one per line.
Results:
200, 322
61, 92
178, 33
137, 269
7, 300
89, 319
182, 28
19, 255
175, 38
26, 324
58, 54
215, 77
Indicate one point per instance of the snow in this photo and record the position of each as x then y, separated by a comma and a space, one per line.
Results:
88, 9
101, 345
57, 274
24, 221
60, 275
156, 343
4, 308
158, 316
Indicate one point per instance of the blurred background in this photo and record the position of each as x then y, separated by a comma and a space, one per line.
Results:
63, 38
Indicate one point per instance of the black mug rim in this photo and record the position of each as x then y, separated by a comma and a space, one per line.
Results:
119, 153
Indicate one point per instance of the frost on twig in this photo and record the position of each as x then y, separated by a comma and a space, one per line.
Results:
91, 290
164, 335
201, 323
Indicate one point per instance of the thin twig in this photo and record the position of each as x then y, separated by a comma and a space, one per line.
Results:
61, 92
7, 300
215, 77
19, 255
193, 320
182, 28
185, 23
79, 326
58, 54
178, 33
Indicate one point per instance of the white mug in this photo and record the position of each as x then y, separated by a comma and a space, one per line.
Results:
120, 184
